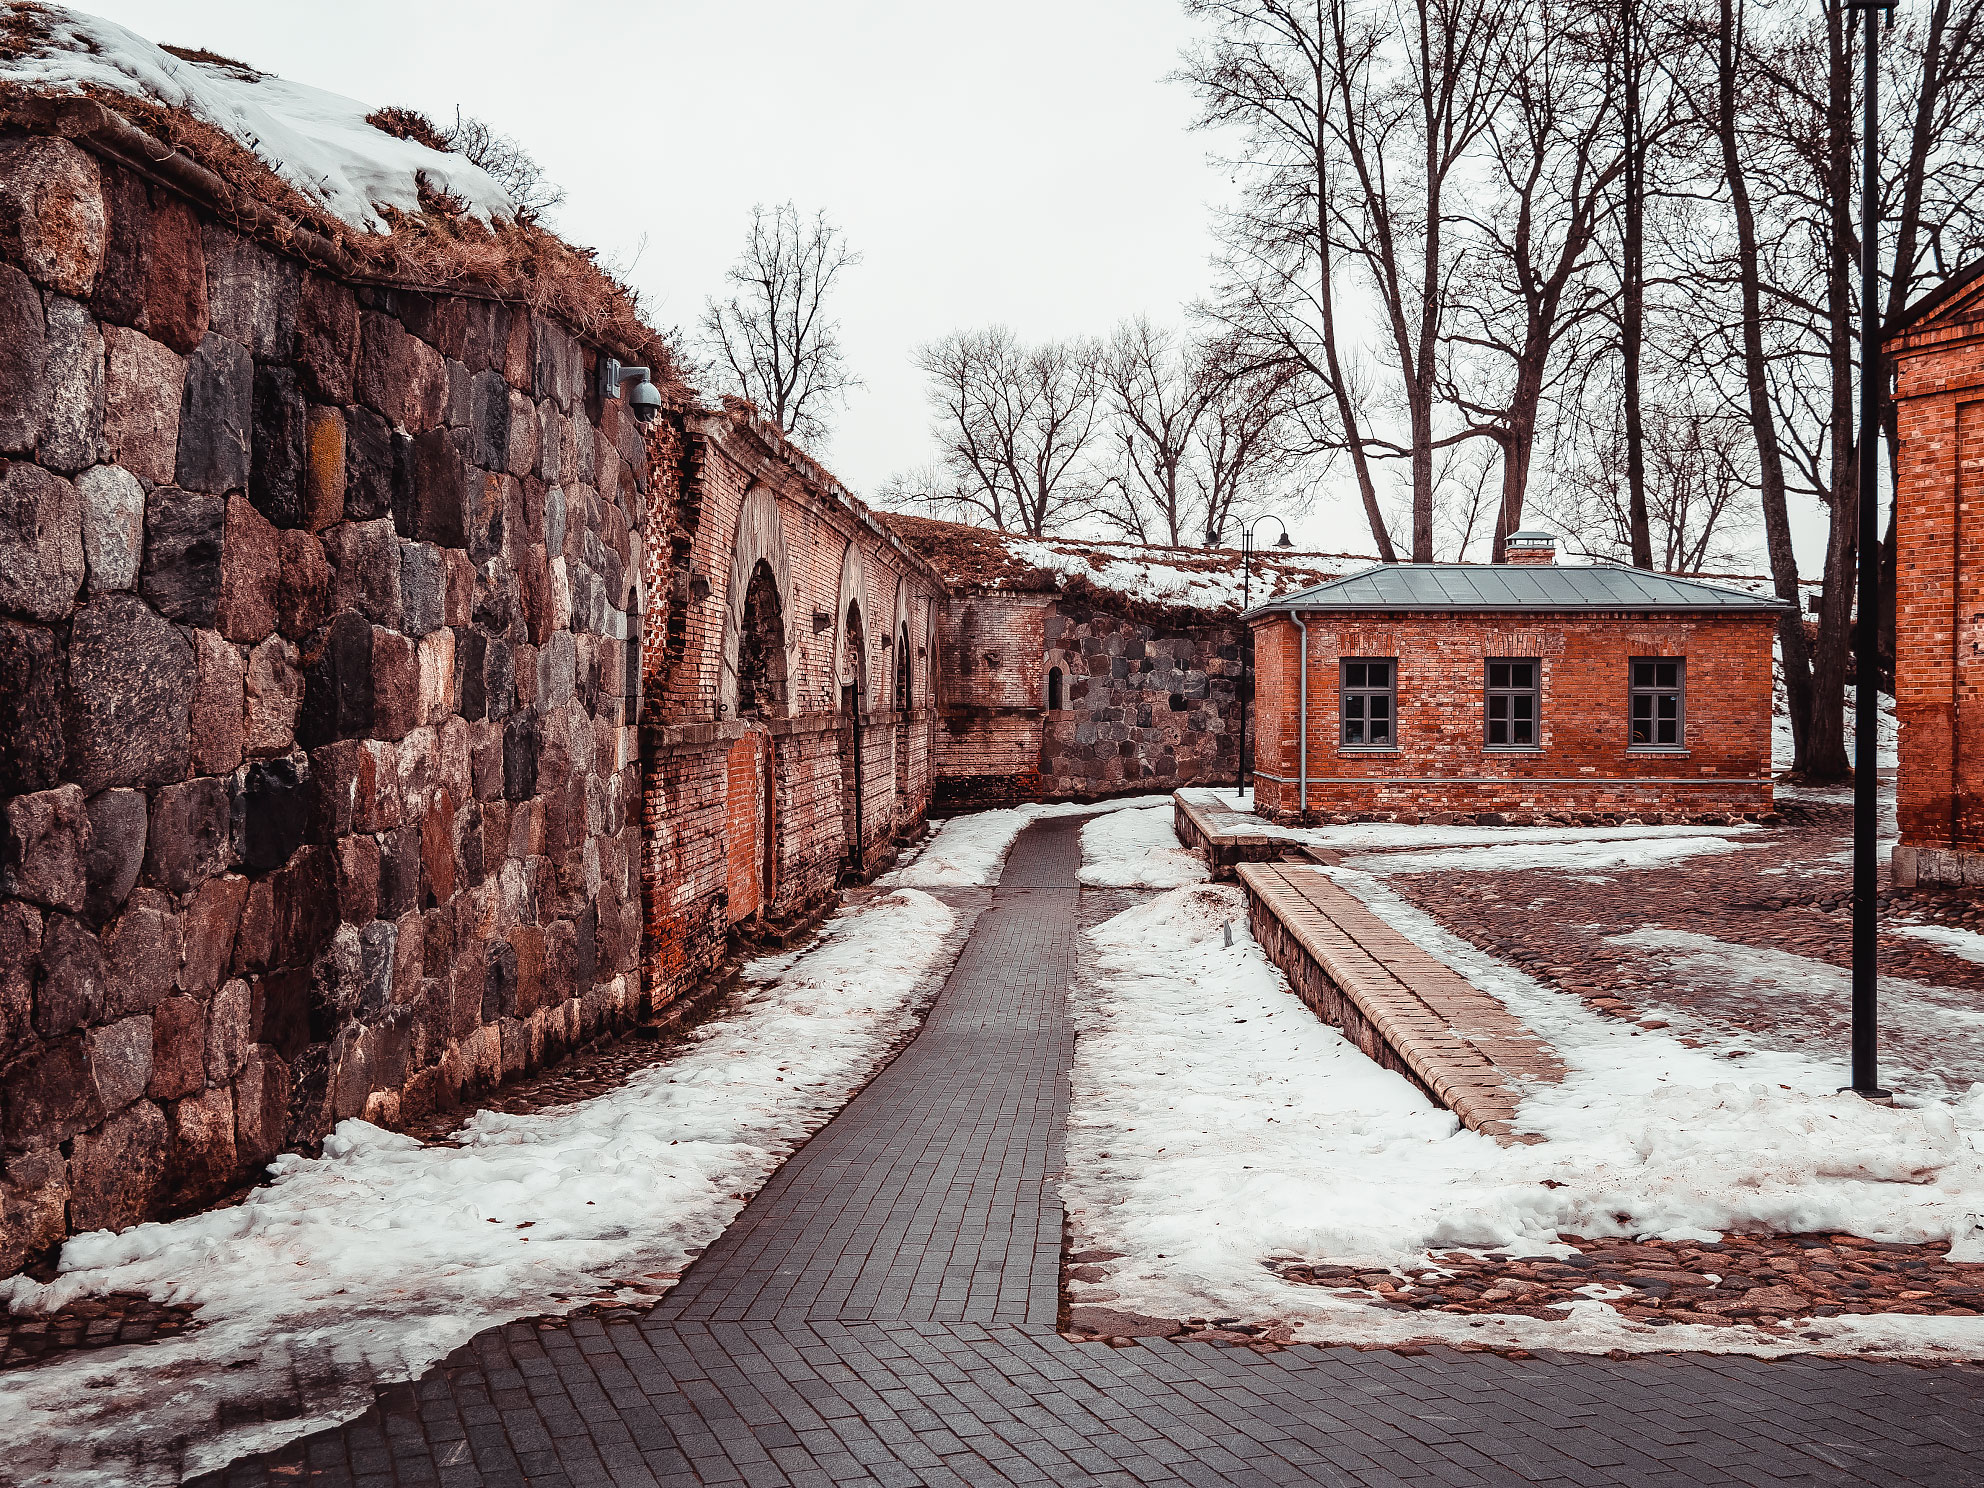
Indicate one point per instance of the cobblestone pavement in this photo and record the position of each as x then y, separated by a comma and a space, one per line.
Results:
883, 1313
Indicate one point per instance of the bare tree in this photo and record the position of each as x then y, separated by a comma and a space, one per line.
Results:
1246, 445
1017, 426
772, 341
1157, 393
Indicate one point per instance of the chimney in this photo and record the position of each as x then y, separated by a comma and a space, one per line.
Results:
1531, 547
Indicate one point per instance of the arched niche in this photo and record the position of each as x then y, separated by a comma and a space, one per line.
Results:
852, 626
902, 650
760, 541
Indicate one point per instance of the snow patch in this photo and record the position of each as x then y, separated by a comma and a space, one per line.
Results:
969, 851
1138, 850
318, 142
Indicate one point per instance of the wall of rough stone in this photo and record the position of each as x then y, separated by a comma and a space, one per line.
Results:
1583, 769
318, 794
1146, 706
732, 493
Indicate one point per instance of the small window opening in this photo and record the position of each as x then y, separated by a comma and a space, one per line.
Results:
1369, 696
905, 683
761, 645
1512, 704
1659, 685
1054, 700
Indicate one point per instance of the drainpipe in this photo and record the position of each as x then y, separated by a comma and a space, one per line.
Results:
1302, 721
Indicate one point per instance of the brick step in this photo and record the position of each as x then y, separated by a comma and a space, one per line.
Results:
1402, 1006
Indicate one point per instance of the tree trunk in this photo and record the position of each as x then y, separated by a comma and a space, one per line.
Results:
1633, 286
1796, 654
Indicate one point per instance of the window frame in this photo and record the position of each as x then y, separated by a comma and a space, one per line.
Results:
1344, 692
1534, 692
1679, 691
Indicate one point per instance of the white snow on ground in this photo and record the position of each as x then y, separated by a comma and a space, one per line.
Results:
968, 851
1218, 1124
1965, 943
387, 1255
1138, 849
318, 142
1573, 856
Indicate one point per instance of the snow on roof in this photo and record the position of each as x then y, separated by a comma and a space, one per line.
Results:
318, 142
1195, 580
1522, 586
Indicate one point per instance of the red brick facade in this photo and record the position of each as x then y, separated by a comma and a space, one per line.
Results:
1939, 588
748, 755
1581, 766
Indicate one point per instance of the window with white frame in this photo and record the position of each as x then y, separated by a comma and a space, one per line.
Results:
1513, 703
1658, 716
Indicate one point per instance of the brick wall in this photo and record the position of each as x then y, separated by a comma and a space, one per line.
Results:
1939, 578
317, 777
1145, 706
1583, 767
735, 493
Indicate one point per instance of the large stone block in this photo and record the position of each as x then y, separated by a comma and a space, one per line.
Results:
191, 835
207, 930
276, 469
400, 376
72, 435
378, 467
358, 878
51, 1095
216, 417
34, 1204
326, 338
113, 527
119, 822
489, 421
217, 704
203, 1152
175, 275
437, 675
523, 436
31, 748
395, 685
305, 907
69, 977
143, 388
251, 574
120, 284
251, 294
20, 946
23, 363
365, 557
184, 537
179, 1048
324, 467
230, 1035
274, 695
45, 848
117, 1174
423, 588
436, 503
273, 805
141, 952
120, 1056
303, 592
337, 683
41, 542
261, 1106
52, 213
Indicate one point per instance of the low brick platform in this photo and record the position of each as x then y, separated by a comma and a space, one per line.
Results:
1395, 1001
1226, 838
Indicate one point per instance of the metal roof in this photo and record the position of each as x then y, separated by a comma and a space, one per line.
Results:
1514, 586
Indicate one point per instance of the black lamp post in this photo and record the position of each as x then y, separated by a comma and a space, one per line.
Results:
1246, 598
1866, 1025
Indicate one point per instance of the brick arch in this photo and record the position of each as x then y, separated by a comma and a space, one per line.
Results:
902, 642
760, 538
854, 591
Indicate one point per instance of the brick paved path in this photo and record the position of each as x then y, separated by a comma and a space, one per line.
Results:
882, 1313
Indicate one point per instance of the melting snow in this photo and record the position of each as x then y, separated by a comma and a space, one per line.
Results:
969, 851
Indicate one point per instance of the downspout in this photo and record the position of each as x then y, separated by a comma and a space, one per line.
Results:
1302, 720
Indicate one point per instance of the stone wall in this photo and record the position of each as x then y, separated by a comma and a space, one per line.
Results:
1144, 705
1583, 768
317, 780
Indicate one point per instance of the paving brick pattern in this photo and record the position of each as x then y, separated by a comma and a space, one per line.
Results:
778, 1361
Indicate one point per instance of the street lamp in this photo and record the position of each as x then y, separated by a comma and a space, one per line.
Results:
1866, 1024
1246, 596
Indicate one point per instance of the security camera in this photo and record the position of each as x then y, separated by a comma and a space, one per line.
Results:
645, 400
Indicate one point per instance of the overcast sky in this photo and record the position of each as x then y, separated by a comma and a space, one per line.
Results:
1030, 162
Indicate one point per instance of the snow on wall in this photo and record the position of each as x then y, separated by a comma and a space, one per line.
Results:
318, 142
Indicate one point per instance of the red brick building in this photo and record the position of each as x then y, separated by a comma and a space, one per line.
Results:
1072, 671
1425, 691
787, 730
1938, 352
